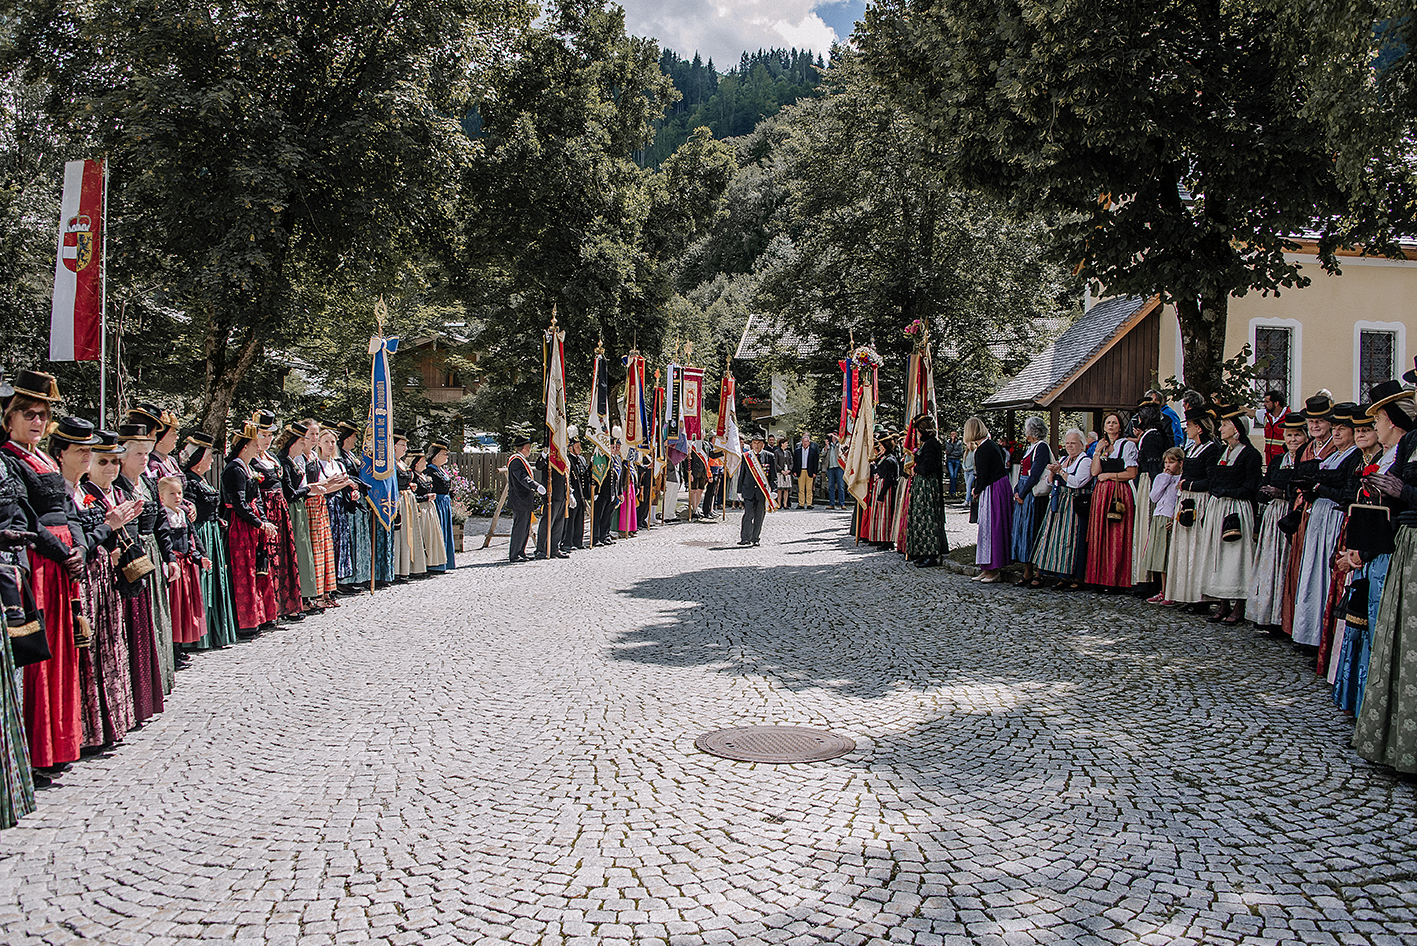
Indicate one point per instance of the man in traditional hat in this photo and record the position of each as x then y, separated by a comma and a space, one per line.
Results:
522, 493
755, 497
573, 536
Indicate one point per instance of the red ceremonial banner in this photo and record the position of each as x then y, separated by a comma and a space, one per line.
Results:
77, 310
725, 397
693, 396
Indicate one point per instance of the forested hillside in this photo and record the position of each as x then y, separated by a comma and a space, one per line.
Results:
730, 104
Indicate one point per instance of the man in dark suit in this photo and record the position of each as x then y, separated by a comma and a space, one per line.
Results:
755, 500
551, 529
574, 535
806, 464
522, 493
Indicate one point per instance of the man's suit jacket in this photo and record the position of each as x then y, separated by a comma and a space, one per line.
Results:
522, 489
814, 459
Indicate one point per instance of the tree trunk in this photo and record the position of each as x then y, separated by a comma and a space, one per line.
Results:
224, 372
1203, 323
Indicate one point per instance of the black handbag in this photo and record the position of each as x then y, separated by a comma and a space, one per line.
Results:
1230, 530
1186, 517
28, 642
1082, 503
1290, 521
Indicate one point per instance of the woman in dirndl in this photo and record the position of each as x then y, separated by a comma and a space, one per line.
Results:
52, 715
432, 538
145, 667
293, 448
249, 534
1266, 603
994, 496
1323, 529
1386, 729
1228, 525
196, 462
1318, 418
441, 477
1348, 494
1031, 496
153, 536
925, 539
1110, 527
1153, 440
1371, 534
324, 479
71, 447
1367, 545
104, 672
284, 558
353, 573
1061, 549
885, 474
16, 527
1185, 576
410, 561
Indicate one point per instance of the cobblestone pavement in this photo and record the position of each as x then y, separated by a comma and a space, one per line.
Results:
506, 755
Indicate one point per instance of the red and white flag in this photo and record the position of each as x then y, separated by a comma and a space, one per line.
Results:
557, 442
76, 318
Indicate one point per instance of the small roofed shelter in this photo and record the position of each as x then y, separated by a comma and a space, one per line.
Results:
1107, 358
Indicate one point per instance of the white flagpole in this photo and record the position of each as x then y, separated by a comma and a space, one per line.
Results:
103, 306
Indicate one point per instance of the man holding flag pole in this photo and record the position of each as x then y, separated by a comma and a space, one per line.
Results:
554, 463
726, 436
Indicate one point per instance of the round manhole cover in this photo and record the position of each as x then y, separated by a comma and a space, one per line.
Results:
774, 744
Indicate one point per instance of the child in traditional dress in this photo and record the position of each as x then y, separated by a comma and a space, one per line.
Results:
1165, 491
184, 582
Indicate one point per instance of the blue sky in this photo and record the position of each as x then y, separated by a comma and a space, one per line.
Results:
723, 29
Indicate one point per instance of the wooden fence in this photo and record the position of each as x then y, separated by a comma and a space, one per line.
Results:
481, 468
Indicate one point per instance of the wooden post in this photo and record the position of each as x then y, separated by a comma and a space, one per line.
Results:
496, 513
1054, 419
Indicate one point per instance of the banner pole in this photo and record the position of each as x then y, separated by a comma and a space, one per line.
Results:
105, 217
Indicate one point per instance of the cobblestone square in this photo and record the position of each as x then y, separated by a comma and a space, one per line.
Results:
506, 754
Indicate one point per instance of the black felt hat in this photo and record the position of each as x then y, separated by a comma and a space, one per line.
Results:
1197, 414
1319, 407
1386, 392
520, 440
1361, 416
1342, 414
75, 430
36, 384
134, 430
1295, 420
202, 439
1411, 376
108, 443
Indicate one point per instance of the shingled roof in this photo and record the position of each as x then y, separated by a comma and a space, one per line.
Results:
1072, 352
762, 337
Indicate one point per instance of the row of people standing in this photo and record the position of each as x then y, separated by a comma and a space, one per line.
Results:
1319, 545
904, 508
302, 525
119, 557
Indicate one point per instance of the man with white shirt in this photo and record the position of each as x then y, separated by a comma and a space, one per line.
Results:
806, 464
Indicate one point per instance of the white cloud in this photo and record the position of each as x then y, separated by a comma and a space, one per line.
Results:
723, 30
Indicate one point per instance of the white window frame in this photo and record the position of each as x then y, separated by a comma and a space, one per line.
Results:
1399, 348
1296, 352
